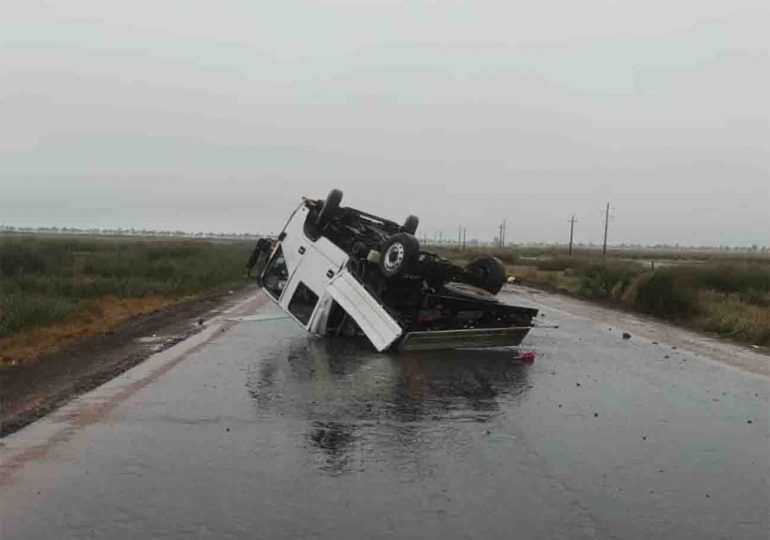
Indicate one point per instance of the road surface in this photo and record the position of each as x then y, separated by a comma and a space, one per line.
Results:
251, 429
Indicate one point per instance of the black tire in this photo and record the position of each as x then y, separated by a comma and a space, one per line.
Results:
410, 225
253, 257
488, 273
469, 291
263, 246
330, 208
399, 255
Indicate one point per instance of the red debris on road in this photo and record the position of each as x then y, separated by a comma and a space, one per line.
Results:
528, 356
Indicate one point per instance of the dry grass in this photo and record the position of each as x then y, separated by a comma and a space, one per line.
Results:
97, 317
728, 315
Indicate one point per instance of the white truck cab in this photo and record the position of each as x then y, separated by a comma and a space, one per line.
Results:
307, 277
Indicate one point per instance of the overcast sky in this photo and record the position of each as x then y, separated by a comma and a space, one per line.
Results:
220, 115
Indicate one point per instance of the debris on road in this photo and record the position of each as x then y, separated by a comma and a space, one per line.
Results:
528, 356
626, 335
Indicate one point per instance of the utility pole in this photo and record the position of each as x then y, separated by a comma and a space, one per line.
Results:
606, 225
464, 231
459, 234
571, 231
503, 236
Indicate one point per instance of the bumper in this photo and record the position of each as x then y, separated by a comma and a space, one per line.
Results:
463, 339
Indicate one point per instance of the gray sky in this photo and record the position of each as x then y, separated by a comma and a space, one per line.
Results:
219, 115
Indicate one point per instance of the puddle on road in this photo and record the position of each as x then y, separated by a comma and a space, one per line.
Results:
352, 398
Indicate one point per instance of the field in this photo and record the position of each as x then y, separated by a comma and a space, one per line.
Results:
720, 292
56, 289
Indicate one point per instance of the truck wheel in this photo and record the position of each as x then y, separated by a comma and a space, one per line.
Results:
488, 273
253, 258
410, 225
263, 246
399, 254
329, 209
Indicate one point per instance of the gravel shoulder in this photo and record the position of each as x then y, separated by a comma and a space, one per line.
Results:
738, 356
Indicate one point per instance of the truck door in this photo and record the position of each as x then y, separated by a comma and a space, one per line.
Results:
307, 283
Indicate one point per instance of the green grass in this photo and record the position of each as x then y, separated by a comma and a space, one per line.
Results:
45, 280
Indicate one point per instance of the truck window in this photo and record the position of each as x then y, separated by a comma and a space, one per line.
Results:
276, 275
303, 303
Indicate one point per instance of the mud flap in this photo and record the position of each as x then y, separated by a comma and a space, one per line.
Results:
370, 316
463, 339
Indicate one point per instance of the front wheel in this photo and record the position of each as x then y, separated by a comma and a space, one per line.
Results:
488, 273
329, 209
410, 225
399, 255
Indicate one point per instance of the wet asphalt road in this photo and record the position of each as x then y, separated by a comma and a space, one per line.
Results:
263, 432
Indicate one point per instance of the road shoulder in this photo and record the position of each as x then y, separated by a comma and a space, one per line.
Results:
655, 330
33, 389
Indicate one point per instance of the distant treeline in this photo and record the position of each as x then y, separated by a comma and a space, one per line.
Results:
446, 242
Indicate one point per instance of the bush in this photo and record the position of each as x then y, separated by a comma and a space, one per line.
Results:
752, 281
608, 279
728, 315
664, 293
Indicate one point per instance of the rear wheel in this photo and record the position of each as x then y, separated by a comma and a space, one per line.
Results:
488, 273
399, 254
330, 208
410, 225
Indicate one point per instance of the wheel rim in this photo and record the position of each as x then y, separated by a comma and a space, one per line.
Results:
394, 256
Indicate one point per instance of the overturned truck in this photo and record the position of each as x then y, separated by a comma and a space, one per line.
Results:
342, 272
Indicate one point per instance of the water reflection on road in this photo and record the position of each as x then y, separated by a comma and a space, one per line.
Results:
362, 406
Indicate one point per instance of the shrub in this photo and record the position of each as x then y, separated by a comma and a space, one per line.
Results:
664, 293
608, 279
728, 315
